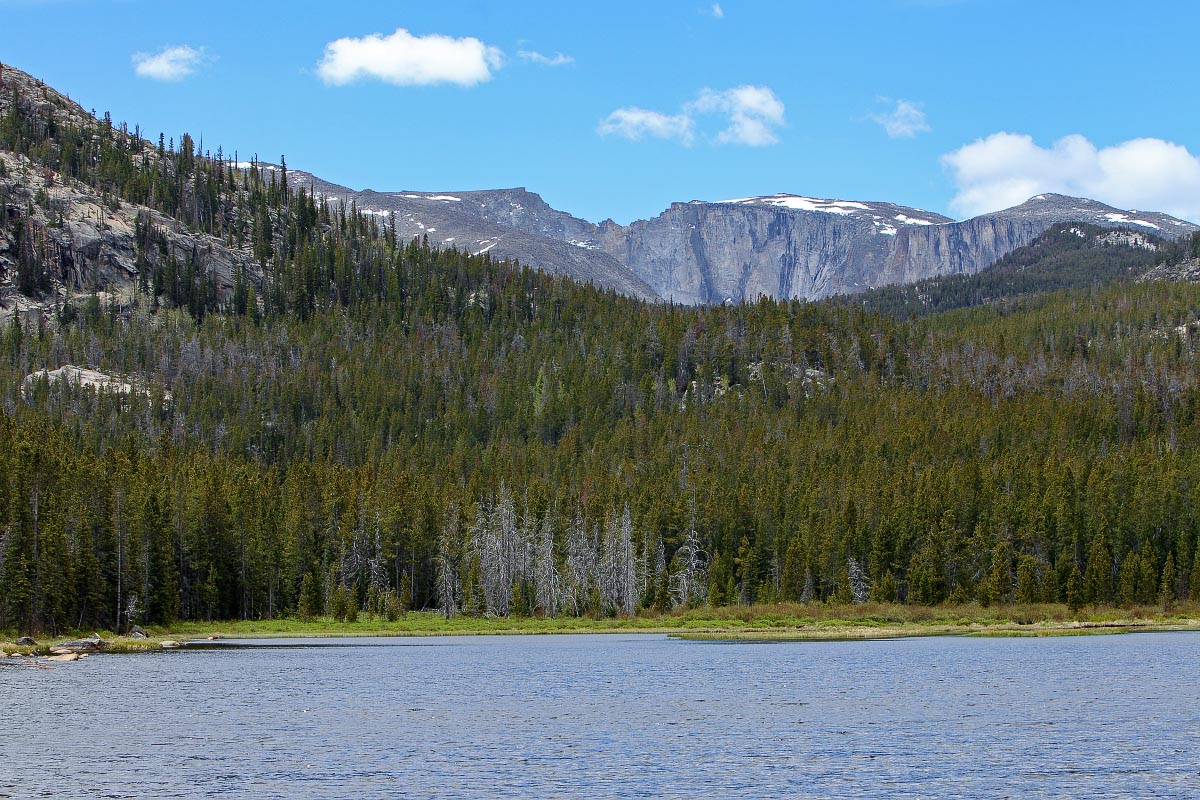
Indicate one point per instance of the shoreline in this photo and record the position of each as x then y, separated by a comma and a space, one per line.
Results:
778, 623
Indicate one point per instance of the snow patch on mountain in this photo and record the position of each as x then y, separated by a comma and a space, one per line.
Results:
799, 203
1125, 218
885, 216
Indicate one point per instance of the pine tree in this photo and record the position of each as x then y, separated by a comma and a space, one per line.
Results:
310, 598
1097, 578
1166, 590
1194, 579
1076, 590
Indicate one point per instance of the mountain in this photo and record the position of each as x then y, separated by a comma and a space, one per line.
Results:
788, 246
782, 246
1069, 255
507, 223
81, 241
972, 245
694, 253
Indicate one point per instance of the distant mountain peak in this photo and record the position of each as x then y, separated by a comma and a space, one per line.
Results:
1064, 208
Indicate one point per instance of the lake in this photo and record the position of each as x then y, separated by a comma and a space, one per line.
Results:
613, 716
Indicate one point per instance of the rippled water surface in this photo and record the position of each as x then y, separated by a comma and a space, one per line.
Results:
614, 716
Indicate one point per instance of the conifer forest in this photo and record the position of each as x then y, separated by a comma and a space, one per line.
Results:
364, 424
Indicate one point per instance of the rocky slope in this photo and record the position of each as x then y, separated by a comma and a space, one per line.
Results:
1187, 270
88, 243
507, 223
84, 242
782, 246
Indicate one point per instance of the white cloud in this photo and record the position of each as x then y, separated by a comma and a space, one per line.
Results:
407, 60
904, 121
637, 123
170, 64
752, 113
556, 60
1006, 169
717, 11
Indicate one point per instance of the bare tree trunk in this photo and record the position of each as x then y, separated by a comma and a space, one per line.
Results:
546, 578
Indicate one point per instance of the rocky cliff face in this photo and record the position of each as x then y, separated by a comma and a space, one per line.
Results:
972, 245
798, 247
783, 246
81, 241
86, 243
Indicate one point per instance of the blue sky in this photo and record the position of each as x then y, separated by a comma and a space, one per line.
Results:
618, 109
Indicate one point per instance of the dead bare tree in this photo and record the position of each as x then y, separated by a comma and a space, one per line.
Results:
689, 574
449, 587
547, 581
626, 569
580, 559
860, 586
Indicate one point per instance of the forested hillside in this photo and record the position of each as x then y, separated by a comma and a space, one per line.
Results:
1069, 255
366, 423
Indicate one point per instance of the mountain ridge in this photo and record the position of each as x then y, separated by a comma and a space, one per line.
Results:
784, 246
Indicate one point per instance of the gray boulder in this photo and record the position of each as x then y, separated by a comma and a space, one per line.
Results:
91, 643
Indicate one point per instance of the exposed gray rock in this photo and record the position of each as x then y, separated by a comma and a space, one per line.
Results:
787, 246
83, 377
782, 246
91, 643
40, 98
1187, 270
26, 641
1123, 238
505, 223
89, 244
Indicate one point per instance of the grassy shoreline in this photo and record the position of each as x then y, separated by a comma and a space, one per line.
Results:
736, 623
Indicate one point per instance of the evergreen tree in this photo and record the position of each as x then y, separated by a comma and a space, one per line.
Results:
1097, 578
